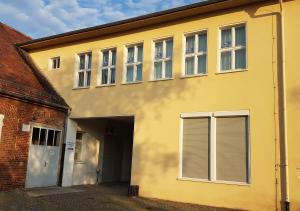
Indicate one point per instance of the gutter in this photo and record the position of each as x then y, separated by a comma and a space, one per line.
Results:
284, 112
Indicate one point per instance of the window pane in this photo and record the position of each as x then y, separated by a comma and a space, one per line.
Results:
157, 70
88, 79
105, 58
50, 137
158, 50
43, 137
169, 48
81, 61
114, 57
78, 150
240, 36
139, 70
140, 53
130, 57
104, 76
79, 136
226, 38
35, 136
129, 73
202, 42
231, 144
240, 59
58, 62
113, 75
89, 55
54, 63
202, 64
195, 148
190, 41
80, 79
189, 66
168, 69
226, 60
56, 138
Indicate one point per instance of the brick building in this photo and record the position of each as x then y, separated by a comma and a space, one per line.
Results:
32, 118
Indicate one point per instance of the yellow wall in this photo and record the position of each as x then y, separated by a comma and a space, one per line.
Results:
157, 105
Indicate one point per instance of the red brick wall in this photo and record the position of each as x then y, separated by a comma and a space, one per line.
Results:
14, 143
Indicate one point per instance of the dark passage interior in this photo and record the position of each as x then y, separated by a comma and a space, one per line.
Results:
116, 150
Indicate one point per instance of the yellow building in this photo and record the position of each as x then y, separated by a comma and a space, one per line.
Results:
196, 104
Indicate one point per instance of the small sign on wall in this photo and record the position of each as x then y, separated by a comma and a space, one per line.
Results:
70, 146
25, 127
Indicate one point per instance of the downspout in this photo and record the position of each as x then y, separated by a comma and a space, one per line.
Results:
284, 112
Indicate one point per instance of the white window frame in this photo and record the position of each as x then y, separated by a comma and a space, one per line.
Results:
46, 137
164, 59
51, 63
108, 67
85, 70
81, 160
135, 63
212, 144
232, 48
1, 124
195, 54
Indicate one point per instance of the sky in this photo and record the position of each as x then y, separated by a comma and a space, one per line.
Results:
40, 18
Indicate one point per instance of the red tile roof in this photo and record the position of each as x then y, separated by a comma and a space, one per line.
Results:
18, 74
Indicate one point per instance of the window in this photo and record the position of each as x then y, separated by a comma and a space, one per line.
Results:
78, 156
233, 48
55, 63
196, 54
134, 64
215, 146
108, 67
1, 124
45, 136
84, 71
163, 59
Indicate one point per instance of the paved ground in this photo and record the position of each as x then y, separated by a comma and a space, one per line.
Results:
104, 197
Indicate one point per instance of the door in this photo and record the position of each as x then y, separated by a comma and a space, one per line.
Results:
43, 158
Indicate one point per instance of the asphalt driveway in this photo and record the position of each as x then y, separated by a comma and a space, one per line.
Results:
104, 197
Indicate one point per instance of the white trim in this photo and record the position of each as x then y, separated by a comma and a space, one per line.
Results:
233, 48
163, 58
212, 144
85, 70
134, 63
50, 63
108, 67
196, 52
213, 182
32, 125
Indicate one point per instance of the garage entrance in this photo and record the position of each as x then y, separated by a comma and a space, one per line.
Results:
43, 157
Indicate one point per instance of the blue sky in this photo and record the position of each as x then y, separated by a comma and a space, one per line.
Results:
39, 18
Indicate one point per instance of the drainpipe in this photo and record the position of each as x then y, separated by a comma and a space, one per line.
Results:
284, 112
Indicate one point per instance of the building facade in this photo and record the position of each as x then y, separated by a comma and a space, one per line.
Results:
32, 119
196, 104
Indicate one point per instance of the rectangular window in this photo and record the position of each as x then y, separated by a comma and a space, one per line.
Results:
55, 63
215, 146
84, 71
78, 155
134, 64
108, 67
233, 48
163, 59
45, 136
196, 54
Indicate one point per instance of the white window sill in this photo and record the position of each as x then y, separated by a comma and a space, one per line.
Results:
161, 79
215, 182
76, 88
194, 75
231, 71
79, 162
105, 85
134, 82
